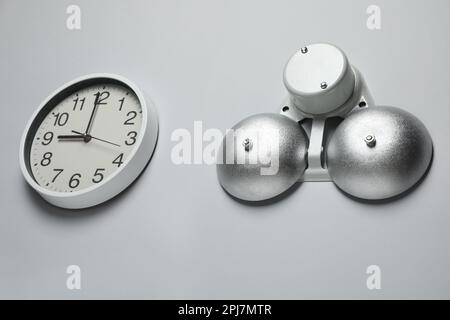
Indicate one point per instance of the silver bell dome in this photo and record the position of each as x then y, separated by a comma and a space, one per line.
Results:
378, 153
262, 156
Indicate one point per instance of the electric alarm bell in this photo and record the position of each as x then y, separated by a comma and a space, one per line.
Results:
374, 153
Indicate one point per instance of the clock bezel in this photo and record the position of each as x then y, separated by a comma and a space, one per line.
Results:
117, 181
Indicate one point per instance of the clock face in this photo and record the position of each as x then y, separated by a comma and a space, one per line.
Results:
85, 137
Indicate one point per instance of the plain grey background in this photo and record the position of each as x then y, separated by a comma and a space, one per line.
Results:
175, 233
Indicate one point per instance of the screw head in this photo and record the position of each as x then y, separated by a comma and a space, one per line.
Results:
248, 144
304, 50
323, 85
370, 140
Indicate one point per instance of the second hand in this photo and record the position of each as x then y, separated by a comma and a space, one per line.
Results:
88, 136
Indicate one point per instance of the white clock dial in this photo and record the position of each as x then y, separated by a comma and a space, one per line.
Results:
85, 137
88, 141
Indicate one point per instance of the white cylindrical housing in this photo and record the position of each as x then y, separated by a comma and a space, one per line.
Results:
319, 79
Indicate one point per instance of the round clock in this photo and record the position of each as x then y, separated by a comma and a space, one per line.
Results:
88, 141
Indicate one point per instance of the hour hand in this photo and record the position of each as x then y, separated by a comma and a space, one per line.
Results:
71, 137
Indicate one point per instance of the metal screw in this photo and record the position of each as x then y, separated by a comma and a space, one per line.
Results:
324, 85
370, 140
304, 50
248, 144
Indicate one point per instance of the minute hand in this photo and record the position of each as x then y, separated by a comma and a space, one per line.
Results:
91, 118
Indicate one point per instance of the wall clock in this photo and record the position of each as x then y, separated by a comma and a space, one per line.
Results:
88, 141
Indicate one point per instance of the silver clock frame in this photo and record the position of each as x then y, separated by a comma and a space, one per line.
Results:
118, 180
